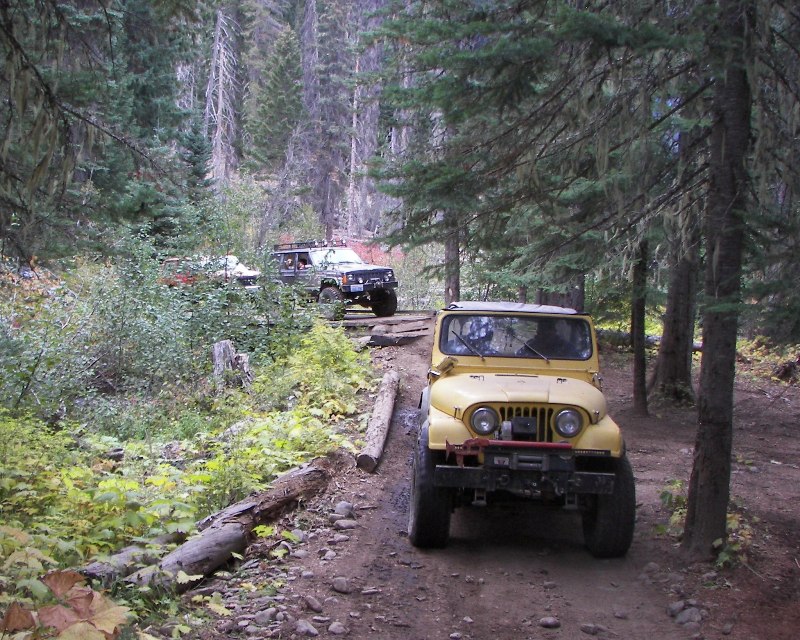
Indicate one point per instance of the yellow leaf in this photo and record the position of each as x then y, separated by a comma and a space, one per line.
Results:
111, 618
218, 608
81, 631
22, 558
106, 615
185, 578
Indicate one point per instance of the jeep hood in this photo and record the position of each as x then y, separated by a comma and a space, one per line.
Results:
454, 394
360, 266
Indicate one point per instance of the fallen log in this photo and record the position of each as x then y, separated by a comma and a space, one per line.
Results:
125, 561
228, 532
407, 327
379, 422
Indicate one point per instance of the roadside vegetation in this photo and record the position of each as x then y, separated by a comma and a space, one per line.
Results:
113, 430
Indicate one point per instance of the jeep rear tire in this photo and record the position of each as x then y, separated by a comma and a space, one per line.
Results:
384, 303
429, 511
608, 519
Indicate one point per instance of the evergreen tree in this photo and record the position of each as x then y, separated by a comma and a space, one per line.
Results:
279, 103
548, 112
327, 72
197, 155
89, 103
725, 221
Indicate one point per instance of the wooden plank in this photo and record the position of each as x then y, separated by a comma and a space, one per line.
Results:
394, 339
384, 328
371, 321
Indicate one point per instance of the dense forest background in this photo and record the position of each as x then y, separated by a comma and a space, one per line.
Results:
633, 159
512, 139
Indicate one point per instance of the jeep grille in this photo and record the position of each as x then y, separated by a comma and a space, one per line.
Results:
528, 421
365, 277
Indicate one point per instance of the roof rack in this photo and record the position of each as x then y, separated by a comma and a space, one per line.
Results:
309, 244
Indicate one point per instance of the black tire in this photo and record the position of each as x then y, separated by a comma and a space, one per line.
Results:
333, 298
330, 295
429, 511
384, 304
608, 519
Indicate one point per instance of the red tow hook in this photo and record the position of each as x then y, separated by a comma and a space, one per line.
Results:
471, 447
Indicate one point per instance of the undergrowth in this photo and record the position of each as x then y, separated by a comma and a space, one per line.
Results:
739, 525
100, 446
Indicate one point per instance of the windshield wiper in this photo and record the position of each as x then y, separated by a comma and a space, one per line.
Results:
469, 346
536, 352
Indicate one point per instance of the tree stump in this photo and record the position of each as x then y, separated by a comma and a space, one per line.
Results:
230, 367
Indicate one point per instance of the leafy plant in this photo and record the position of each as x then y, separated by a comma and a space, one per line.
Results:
740, 532
77, 612
153, 451
673, 499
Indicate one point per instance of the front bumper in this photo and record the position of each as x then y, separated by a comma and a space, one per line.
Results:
527, 468
367, 287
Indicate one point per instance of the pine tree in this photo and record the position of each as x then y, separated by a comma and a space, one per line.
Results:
279, 103
89, 103
534, 122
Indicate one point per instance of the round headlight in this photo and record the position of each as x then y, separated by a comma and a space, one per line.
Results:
484, 421
568, 423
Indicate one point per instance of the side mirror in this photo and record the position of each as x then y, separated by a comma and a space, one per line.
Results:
443, 367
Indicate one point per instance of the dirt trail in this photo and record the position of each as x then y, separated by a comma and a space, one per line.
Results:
507, 573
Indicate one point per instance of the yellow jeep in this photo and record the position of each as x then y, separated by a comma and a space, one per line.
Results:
514, 408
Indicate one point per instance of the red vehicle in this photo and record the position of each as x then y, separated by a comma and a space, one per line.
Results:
223, 269
179, 271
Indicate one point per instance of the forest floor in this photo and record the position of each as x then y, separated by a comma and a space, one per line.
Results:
524, 573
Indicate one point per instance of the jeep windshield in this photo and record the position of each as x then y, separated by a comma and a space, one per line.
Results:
516, 336
328, 257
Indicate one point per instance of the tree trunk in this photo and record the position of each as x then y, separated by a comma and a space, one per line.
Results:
127, 560
672, 372
452, 259
709, 486
638, 307
230, 367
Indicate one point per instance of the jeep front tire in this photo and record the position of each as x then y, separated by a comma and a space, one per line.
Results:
608, 519
429, 511
330, 295
384, 303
